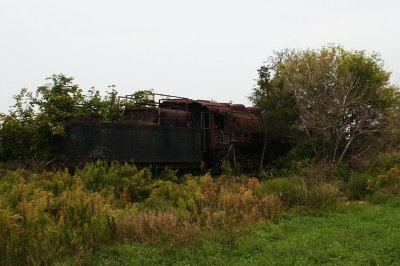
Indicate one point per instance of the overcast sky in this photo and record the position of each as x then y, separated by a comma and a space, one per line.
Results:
197, 49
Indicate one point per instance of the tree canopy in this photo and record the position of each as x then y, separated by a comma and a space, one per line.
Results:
35, 124
330, 103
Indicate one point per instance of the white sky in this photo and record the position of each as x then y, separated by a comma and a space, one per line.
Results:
197, 49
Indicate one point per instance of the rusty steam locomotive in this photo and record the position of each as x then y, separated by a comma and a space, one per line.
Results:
170, 131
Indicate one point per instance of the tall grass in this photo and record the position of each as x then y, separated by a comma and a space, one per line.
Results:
42, 221
48, 215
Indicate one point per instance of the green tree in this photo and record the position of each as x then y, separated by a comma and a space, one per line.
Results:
57, 101
92, 104
18, 129
110, 110
336, 103
34, 127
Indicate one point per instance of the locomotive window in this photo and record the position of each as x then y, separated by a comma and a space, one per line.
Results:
219, 121
205, 120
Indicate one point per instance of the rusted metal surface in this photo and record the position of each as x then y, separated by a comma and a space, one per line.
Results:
176, 118
257, 111
238, 108
248, 123
141, 116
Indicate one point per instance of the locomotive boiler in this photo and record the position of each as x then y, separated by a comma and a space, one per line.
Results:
171, 131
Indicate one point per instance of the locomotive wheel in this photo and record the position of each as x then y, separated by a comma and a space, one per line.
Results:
101, 153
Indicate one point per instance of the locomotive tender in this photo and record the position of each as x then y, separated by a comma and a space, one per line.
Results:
173, 131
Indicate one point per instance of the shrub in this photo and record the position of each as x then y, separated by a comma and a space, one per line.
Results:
168, 174
169, 195
288, 189
357, 187
226, 169
383, 162
306, 193
43, 219
388, 182
272, 207
321, 197
154, 226
120, 183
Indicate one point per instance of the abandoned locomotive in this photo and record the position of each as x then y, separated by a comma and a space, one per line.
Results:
171, 131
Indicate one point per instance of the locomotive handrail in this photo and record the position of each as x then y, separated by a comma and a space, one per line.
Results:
131, 96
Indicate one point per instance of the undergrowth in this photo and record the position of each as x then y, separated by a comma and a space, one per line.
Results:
47, 216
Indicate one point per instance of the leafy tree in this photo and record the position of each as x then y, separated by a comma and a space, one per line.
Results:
18, 129
57, 101
335, 103
110, 111
92, 104
143, 97
34, 127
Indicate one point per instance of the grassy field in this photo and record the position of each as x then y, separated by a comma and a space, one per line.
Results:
355, 235
118, 214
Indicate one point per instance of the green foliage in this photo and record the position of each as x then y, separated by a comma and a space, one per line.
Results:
122, 183
308, 195
226, 168
168, 174
382, 162
330, 103
42, 219
110, 111
92, 104
378, 180
289, 189
18, 130
279, 105
45, 216
34, 127
56, 102
172, 196
387, 182
144, 98
358, 188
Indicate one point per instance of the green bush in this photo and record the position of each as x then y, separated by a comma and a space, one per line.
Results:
43, 219
169, 195
358, 186
305, 193
321, 197
119, 183
388, 182
226, 169
289, 189
383, 162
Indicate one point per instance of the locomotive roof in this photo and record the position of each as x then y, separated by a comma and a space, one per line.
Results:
215, 106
